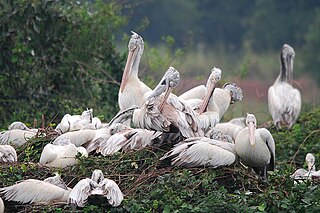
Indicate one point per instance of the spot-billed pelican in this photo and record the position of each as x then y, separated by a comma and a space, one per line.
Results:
16, 137
97, 185
284, 101
20, 125
256, 147
132, 90
50, 190
61, 156
310, 173
201, 152
7, 154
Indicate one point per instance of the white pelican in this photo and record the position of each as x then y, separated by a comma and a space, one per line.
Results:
74, 122
216, 134
310, 173
129, 139
256, 147
97, 185
20, 125
284, 101
167, 113
16, 137
7, 154
132, 90
61, 156
201, 152
230, 128
50, 190
1, 206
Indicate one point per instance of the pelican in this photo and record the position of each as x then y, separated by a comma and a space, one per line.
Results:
284, 101
50, 190
20, 125
201, 152
166, 113
74, 122
129, 139
7, 154
16, 137
1, 206
61, 156
132, 90
97, 185
216, 134
231, 128
303, 174
256, 147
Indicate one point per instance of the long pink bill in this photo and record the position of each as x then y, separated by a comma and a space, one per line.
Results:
252, 138
206, 99
126, 71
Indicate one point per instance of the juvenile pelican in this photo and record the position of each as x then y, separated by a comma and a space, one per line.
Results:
256, 147
132, 90
165, 112
303, 174
61, 156
201, 152
284, 101
50, 190
71, 123
97, 185
7, 154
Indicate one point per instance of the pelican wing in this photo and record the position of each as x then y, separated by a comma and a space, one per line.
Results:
197, 92
112, 192
112, 145
34, 191
80, 192
8, 154
268, 139
48, 154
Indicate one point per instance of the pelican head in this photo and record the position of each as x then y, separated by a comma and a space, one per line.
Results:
87, 114
235, 92
252, 124
135, 46
287, 57
310, 159
18, 125
214, 77
123, 115
97, 176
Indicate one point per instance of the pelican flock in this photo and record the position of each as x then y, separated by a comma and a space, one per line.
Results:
189, 123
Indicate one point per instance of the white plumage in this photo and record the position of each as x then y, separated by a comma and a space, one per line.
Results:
284, 101
7, 154
16, 137
61, 156
201, 152
256, 147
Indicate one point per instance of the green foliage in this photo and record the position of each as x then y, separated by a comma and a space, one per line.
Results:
57, 55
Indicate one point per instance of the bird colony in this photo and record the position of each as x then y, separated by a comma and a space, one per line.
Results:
189, 123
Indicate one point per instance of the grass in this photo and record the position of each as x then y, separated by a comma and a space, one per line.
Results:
153, 186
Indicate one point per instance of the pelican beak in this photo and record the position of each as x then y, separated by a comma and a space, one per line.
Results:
252, 138
206, 99
166, 95
127, 69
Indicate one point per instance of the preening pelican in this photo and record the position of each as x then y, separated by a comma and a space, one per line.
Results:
129, 139
166, 113
256, 147
97, 185
20, 125
7, 154
201, 152
61, 156
132, 90
230, 128
16, 137
50, 190
284, 101
310, 173
75, 122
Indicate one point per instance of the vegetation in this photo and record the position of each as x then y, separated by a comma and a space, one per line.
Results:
153, 186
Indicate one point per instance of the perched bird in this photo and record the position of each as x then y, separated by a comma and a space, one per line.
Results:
165, 112
129, 139
132, 90
256, 147
71, 123
61, 156
50, 190
201, 152
231, 128
284, 101
20, 125
310, 173
7, 154
97, 185
16, 137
